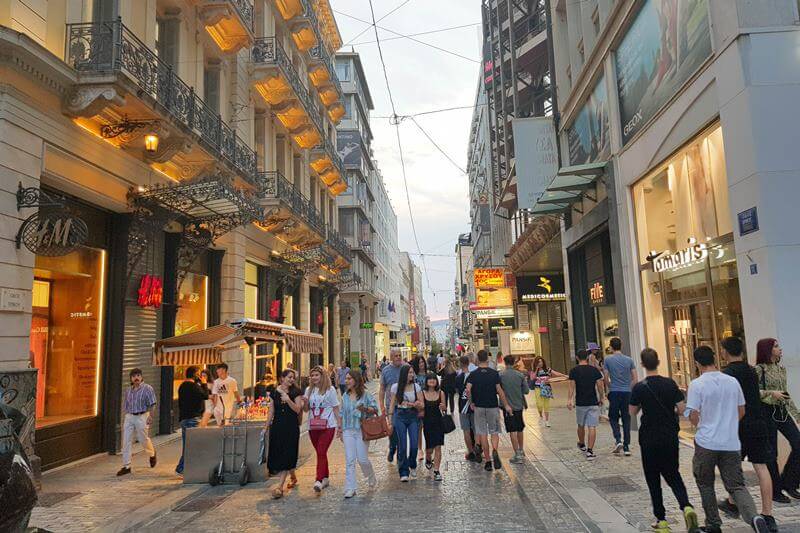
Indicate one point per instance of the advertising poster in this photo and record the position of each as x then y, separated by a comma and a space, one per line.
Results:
489, 278
536, 158
489, 299
588, 136
348, 143
541, 288
665, 45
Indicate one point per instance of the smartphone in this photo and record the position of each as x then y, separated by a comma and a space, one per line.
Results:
785, 394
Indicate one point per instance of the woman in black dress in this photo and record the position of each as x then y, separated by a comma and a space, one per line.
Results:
448, 375
433, 427
284, 433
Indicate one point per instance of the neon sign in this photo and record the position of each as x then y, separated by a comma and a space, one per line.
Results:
151, 291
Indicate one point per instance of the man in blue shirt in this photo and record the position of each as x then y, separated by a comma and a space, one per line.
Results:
389, 376
620, 378
140, 402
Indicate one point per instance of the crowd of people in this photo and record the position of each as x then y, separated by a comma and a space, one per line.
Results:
737, 413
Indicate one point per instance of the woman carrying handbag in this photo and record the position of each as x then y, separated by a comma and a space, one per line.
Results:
433, 427
322, 403
357, 404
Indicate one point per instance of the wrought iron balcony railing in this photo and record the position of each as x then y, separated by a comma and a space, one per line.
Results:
338, 243
334, 155
245, 10
111, 48
269, 51
320, 54
274, 185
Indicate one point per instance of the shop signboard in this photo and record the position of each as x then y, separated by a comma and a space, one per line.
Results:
522, 342
348, 144
541, 288
536, 157
52, 233
497, 324
367, 325
523, 317
489, 278
696, 252
748, 221
492, 298
588, 136
498, 312
665, 45
151, 291
597, 293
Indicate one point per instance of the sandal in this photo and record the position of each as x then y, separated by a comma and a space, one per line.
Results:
292, 484
277, 493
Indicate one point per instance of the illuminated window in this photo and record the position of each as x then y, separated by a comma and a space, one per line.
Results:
251, 290
192, 315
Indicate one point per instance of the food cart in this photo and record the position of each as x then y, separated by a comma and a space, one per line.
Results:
264, 341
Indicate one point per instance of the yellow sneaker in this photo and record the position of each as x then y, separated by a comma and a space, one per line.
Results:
690, 517
661, 526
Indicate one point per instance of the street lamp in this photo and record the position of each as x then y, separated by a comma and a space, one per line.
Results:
151, 142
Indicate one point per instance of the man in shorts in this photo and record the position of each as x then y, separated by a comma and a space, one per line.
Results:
753, 429
515, 386
483, 388
585, 386
465, 416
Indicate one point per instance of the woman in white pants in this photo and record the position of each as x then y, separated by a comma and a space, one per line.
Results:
357, 403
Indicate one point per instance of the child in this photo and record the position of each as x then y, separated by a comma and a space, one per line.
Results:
541, 377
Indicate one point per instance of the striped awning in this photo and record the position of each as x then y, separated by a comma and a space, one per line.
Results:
197, 348
302, 341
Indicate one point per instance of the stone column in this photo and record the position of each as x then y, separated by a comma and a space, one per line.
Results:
305, 322
232, 299
336, 349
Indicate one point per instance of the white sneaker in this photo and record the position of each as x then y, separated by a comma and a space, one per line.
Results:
413, 472
547, 423
617, 448
404, 479
349, 493
318, 486
325, 483
372, 481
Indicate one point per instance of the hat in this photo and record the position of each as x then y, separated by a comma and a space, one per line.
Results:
592, 346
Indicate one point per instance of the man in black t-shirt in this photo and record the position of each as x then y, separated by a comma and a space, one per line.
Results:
585, 382
754, 431
657, 397
483, 388
465, 416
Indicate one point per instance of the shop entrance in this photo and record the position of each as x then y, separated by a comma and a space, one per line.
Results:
688, 327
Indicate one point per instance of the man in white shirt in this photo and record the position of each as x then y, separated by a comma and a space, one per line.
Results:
714, 404
225, 395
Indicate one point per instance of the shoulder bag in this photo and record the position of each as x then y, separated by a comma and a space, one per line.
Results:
448, 424
315, 421
374, 427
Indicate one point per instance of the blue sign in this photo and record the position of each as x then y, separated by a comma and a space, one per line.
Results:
748, 221
753, 269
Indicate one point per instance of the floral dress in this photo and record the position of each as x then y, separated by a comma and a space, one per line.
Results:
541, 381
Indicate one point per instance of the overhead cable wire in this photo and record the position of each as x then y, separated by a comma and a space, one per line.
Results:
403, 36
425, 133
400, 148
429, 32
365, 30
432, 111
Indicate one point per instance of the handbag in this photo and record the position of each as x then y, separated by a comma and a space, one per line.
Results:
316, 422
374, 428
448, 424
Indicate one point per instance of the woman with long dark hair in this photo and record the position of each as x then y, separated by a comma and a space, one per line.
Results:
448, 375
420, 366
357, 404
540, 378
403, 408
323, 404
284, 434
782, 414
434, 427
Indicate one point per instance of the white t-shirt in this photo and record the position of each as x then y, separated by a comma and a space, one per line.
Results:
408, 393
717, 397
225, 390
321, 405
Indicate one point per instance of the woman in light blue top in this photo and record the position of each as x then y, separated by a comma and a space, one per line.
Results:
357, 403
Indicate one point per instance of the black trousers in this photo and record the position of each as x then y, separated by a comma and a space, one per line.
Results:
660, 459
450, 400
781, 421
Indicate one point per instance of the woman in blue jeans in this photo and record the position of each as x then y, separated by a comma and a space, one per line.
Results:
404, 408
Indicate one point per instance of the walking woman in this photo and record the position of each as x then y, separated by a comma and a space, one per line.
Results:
541, 377
433, 426
406, 402
448, 375
284, 434
322, 403
420, 366
782, 414
357, 404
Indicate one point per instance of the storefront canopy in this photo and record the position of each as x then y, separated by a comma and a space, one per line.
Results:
208, 346
568, 187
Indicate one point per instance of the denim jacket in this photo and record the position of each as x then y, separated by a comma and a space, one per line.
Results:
351, 416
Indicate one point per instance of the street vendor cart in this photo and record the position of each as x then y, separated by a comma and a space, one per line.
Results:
242, 447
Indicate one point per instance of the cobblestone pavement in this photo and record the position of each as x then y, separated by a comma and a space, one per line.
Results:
557, 490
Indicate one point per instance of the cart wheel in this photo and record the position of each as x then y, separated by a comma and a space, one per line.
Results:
213, 476
244, 475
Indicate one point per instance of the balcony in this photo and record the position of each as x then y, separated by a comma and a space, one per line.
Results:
230, 23
325, 161
322, 74
302, 21
287, 213
125, 93
278, 83
340, 247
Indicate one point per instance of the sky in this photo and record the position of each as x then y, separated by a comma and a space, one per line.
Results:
422, 79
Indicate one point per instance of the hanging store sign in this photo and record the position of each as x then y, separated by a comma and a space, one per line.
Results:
366, 325
597, 293
151, 291
492, 298
52, 234
537, 164
522, 342
541, 288
489, 278
500, 312
696, 252
501, 324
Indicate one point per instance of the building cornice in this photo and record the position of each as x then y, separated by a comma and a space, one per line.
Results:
25, 55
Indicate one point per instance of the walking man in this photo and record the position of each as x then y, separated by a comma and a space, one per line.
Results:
585, 386
192, 398
620, 378
389, 376
483, 388
465, 415
715, 404
140, 403
515, 386
341, 375
225, 394
660, 400
753, 429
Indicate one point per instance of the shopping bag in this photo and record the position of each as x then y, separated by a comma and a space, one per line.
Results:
374, 428
448, 424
